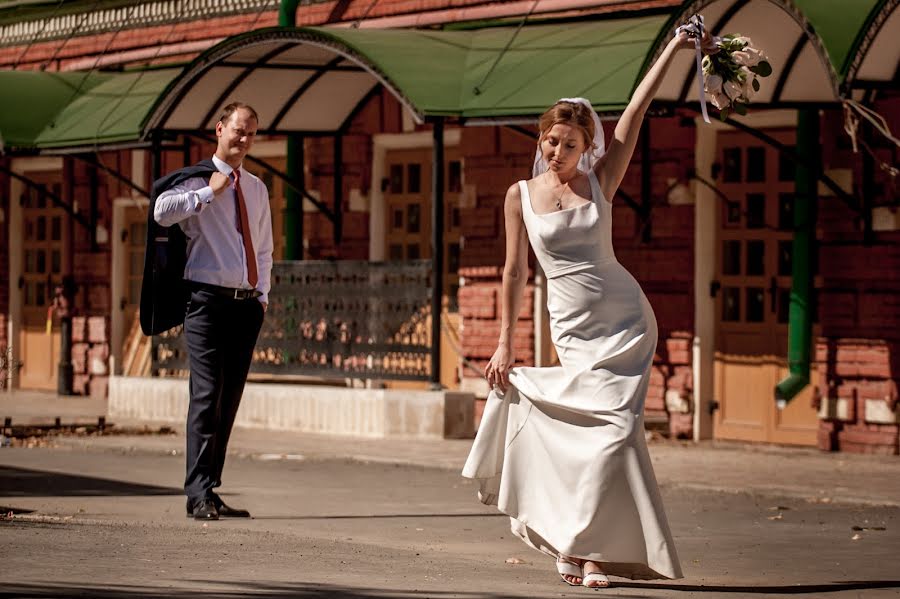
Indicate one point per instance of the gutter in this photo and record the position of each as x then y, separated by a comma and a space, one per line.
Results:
517, 8
139, 55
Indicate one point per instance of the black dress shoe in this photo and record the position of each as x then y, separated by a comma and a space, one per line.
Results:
205, 510
226, 511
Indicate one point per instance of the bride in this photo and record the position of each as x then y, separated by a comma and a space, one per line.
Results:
561, 450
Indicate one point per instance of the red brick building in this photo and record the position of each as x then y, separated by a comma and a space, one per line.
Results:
714, 264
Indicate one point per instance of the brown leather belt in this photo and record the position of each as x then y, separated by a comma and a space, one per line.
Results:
229, 292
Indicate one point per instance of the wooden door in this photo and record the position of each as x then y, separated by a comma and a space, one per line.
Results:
408, 212
753, 280
135, 236
407, 197
43, 243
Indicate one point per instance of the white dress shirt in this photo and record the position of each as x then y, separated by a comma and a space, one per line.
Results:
215, 250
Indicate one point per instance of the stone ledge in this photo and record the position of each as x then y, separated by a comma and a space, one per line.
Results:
374, 413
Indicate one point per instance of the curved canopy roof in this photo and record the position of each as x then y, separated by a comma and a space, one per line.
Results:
62, 110
314, 80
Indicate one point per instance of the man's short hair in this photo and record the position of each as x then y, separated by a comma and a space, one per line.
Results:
229, 110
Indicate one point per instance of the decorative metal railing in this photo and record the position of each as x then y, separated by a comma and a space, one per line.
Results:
53, 23
348, 319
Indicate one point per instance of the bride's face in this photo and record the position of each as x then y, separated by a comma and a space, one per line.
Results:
562, 147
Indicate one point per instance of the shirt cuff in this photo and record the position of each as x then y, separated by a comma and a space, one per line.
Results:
201, 197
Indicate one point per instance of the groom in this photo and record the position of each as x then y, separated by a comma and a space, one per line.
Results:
223, 211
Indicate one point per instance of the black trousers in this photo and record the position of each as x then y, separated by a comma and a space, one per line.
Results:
221, 333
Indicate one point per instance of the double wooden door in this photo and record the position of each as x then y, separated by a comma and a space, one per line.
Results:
43, 243
408, 211
752, 289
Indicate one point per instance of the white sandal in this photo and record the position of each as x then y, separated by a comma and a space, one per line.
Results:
566, 567
595, 577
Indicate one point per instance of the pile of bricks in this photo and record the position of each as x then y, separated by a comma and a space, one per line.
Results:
859, 404
90, 355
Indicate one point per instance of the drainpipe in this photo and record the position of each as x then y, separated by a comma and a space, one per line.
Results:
803, 254
293, 209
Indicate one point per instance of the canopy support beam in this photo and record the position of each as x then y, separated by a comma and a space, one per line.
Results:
338, 220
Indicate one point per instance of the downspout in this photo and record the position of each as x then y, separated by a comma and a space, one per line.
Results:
803, 254
293, 210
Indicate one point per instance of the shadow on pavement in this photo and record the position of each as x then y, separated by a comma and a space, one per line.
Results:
383, 516
315, 591
784, 589
22, 482
249, 589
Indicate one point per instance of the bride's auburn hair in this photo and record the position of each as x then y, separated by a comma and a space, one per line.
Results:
573, 114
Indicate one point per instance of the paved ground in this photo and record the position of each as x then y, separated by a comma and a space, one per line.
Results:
103, 517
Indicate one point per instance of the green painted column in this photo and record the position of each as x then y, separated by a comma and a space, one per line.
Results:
293, 209
803, 257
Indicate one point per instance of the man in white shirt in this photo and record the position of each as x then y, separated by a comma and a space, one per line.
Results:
229, 263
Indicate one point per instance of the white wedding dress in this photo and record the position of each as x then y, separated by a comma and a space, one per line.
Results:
562, 452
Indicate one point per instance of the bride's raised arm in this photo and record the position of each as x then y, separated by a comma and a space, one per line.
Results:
611, 168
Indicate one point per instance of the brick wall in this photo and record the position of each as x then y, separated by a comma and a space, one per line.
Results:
858, 349
381, 114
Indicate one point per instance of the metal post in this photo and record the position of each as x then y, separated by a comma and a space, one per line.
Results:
293, 209
64, 293
437, 248
803, 254
338, 188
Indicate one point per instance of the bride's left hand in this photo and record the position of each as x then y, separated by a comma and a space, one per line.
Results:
682, 41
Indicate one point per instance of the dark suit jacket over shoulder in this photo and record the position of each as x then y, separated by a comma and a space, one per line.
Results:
164, 293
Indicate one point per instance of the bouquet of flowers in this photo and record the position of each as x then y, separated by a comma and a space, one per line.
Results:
729, 70
732, 70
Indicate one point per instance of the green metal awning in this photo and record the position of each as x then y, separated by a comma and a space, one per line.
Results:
113, 111
33, 100
316, 79
501, 74
65, 110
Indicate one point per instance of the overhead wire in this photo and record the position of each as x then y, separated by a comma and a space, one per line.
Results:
478, 88
32, 41
137, 79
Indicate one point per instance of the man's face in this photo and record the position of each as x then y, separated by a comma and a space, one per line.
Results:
236, 135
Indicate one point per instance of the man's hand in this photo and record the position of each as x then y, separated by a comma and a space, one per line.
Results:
219, 181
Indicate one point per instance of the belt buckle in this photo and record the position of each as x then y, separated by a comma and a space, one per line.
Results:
238, 295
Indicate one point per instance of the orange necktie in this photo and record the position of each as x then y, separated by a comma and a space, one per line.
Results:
244, 228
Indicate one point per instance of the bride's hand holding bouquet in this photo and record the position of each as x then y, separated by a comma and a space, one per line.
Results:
730, 68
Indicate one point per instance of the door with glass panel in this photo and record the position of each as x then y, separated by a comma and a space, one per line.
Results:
407, 197
134, 234
752, 291
407, 200
43, 243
